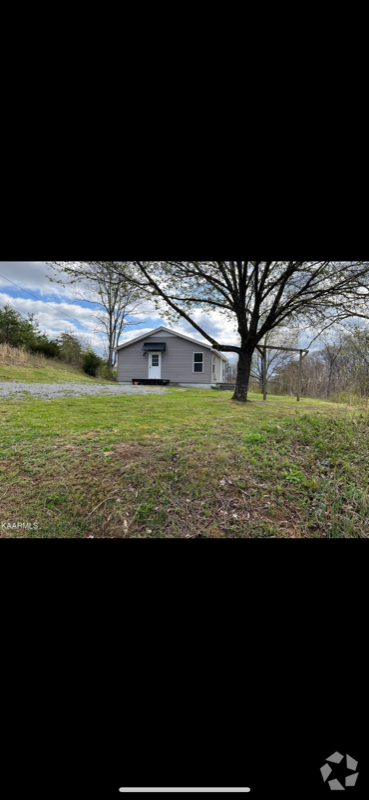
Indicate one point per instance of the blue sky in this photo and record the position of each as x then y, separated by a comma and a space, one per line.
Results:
32, 275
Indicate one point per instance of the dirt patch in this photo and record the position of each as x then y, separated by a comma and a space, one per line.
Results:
130, 452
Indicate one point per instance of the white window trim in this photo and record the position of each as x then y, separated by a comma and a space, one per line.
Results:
196, 372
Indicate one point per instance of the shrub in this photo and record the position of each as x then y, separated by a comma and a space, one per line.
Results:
71, 349
91, 363
107, 373
48, 347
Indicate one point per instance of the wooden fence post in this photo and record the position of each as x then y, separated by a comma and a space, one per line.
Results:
300, 378
264, 374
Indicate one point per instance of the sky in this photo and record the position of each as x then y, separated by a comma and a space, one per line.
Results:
66, 303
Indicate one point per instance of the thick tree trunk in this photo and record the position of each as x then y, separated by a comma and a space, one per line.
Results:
243, 377
111, 339
111, 357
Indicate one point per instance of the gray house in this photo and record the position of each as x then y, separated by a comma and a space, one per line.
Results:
164, 357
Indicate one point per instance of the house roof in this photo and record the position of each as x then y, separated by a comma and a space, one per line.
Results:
174, 333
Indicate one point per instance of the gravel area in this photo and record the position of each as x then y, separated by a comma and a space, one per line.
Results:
50, 391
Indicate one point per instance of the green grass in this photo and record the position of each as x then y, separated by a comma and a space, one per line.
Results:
59, 373
188, 464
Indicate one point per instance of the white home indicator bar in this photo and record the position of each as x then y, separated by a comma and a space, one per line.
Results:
186, 789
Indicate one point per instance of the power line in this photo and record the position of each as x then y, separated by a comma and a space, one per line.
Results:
64, 313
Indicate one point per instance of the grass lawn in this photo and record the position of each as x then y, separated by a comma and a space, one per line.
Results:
59, 373
188, 464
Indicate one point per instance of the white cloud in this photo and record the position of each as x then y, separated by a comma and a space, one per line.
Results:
28, 274
46, 314
52, 322
32, 275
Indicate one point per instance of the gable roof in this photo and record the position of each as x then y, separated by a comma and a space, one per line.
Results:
174, 333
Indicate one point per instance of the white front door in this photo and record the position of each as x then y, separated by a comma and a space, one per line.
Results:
155, 366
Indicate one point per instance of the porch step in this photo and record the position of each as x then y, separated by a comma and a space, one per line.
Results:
149, 382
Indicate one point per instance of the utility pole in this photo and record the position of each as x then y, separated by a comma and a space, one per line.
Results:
264, 374
303, 353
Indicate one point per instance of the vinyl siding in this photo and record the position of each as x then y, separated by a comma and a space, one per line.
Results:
177, 361
162, 335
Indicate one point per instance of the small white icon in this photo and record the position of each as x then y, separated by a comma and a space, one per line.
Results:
350, 780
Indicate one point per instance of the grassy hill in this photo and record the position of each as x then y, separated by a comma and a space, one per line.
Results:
18, 365
187, 464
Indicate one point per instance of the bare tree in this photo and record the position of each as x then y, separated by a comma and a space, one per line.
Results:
275, 359
340, 366
355, 361
116, 300
330, 353
258, 295
314, 375
284, 380
231, 372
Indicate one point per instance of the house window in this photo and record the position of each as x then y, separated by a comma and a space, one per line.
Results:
198, 362
155, 361
214, 368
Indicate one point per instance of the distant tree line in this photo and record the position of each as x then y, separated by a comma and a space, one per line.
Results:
24, 332
337, 370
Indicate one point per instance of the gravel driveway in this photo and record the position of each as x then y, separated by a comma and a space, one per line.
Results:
50, 391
